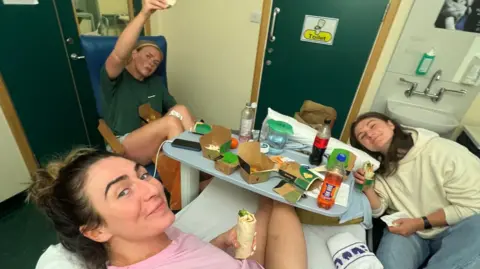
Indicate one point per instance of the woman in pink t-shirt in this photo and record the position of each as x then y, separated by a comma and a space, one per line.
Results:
111, 213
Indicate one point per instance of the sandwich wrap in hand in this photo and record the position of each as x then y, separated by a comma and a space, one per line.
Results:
369, 174
245, 234
171, 3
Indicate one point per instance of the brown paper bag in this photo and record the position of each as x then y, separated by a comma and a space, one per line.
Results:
255, 166
314, 114
216, 143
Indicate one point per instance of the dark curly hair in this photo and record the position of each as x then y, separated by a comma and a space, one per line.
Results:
402, 142
58, 189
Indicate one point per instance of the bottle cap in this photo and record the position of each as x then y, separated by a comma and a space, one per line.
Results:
431, 52
264, 148
280, 126
341, 157
254, 105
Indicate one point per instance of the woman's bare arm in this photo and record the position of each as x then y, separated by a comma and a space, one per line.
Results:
117, 60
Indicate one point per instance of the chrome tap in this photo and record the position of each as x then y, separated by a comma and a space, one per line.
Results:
442, 91
434, 78
413, 87
434, 97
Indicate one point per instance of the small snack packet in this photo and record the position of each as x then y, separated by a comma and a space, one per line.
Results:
369, 176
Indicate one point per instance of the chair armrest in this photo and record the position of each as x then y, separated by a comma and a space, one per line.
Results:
110, 138
147, 113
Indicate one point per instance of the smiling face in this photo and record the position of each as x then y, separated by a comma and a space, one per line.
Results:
375, 134
146, 60
131, 203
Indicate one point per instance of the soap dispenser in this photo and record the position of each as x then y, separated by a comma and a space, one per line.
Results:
426, 62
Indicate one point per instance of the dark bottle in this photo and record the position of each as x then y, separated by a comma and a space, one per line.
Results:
320, 144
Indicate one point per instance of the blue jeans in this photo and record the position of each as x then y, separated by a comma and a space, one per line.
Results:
458, 247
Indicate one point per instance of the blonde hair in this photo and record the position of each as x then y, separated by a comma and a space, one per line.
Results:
147, 43
58, 189
142, 44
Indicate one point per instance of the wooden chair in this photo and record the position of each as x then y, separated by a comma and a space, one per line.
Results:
167, 168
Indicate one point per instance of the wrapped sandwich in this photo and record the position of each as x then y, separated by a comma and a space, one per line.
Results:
369, 174
245, 234
171, 3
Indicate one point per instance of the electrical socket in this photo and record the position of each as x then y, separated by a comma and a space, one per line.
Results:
256, 17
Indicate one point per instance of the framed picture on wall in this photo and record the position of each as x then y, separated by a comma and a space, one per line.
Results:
459, 15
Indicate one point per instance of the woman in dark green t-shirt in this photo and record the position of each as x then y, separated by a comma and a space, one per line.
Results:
127, 81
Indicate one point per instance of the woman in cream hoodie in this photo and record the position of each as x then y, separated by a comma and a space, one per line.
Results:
435, 181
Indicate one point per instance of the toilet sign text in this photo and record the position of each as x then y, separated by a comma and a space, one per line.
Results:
319, 30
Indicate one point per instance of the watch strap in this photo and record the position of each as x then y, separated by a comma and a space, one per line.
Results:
426, 223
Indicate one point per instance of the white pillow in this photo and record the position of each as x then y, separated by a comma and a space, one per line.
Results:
306, 135
58, 257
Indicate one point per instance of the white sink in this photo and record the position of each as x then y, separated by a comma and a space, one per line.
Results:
438, 121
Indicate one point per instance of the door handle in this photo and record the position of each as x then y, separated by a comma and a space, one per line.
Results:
75, 57
274, 20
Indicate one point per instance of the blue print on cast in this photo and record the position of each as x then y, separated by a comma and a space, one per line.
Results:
350, 254
338, 263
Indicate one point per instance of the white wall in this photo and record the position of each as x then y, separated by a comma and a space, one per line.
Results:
417, 37
387, 52
113, 6
14, 174
472, 117
211, 55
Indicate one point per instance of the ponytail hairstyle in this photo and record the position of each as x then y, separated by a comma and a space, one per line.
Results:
402, 142
58, 189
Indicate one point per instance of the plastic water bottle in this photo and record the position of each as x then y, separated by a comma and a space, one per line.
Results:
320, 144
246, 122
331, 184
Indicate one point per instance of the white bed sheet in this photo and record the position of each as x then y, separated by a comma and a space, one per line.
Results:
215, 210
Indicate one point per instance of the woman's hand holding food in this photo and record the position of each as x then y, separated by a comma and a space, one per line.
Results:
150, 6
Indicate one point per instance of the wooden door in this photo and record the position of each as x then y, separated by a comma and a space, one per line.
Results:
296, 70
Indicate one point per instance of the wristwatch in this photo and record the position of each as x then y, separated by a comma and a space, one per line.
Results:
426, 223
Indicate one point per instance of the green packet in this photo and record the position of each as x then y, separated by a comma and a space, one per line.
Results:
289, 191
298, 175
201, 128
230, 158
369, 177
298, 180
